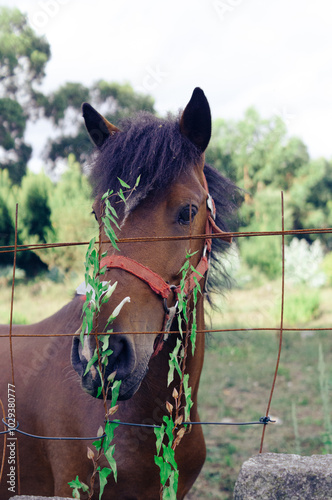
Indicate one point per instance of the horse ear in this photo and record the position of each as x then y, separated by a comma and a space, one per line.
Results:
98, 127
195, 122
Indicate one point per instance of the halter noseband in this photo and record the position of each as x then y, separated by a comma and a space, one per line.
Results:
158, 284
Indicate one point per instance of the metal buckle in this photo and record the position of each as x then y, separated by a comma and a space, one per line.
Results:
205, 250
166, 309
210, 205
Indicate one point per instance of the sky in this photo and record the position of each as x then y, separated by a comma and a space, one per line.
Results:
275, 55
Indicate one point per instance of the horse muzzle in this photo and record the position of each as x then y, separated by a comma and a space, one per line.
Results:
128, 362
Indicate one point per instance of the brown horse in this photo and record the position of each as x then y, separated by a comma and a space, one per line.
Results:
171, 200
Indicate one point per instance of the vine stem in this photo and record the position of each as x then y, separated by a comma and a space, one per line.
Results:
185, 347
181, 393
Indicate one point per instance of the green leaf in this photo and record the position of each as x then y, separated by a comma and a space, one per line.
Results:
107, 194
185, 266
104, 339
137, 181
169, 428
100, 388
193, 334
110, 427
165, 469
170, 492
91, 362
115, 392
91, 245
123, 184
159, 433
78, 485
98, 444
103, 475
122, 196
110, 233
111, 460
188, 255
112, 219
173, 363
103, 270
113, 211
195, 271
108, 353
169, 456
84, 325
187, 392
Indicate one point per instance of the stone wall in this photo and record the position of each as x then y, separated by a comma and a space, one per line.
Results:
29, 497
274, 476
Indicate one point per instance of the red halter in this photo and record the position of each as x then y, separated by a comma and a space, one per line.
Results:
157, 283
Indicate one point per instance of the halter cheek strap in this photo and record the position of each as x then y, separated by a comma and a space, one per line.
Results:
155, 282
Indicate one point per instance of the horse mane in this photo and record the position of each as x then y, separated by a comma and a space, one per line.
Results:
154, 149
226, 197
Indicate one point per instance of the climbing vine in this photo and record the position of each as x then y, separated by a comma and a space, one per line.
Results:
98, 293
177, 422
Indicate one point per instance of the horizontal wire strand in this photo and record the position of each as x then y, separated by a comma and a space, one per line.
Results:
144, 239
211, 330
262, 421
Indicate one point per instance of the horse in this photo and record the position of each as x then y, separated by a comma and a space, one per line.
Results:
48, 391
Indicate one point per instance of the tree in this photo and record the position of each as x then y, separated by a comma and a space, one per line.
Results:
7, 232
26, 260
16, 152
35, 207
310, 198
115, 101
72, 220
23, 57
256, 152
258, 155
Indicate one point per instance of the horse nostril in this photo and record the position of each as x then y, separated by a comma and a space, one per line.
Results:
122, 360
75, 357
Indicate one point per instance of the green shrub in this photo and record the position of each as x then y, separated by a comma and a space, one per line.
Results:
35, 212
7, 232
303, 263
71, 218
327, 267
300, 307
264, 253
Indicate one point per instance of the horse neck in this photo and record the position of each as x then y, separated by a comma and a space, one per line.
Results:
66, 320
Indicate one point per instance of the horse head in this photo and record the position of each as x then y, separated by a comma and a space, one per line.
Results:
170, 201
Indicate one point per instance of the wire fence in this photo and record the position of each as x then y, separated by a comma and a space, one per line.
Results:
264, 420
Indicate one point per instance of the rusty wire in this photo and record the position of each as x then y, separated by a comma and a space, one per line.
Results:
175, 332
281, 318
144, 239
264, 420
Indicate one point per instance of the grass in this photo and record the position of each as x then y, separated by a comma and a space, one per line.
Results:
237, 378
35, 300
238, 373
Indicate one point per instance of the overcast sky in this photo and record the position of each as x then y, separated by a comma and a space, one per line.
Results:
275, 55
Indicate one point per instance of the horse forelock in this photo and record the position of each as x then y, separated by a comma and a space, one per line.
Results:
147, 147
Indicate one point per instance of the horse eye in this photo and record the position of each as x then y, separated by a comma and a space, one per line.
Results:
185, 215
95, 216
